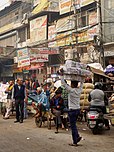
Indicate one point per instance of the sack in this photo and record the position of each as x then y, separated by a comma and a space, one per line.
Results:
84, 103
87, 91
88, 86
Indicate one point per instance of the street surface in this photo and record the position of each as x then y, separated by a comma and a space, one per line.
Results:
27, 137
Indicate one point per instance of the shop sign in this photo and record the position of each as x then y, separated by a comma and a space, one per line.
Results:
41, 54
65, 6
63, 39
36, 66
86, 2
38, 29
87, 35
52, 35
23, 57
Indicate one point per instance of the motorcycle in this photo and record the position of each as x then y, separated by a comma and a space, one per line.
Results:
95, 120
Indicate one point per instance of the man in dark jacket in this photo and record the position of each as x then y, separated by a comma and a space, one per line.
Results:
19, 96
57, 106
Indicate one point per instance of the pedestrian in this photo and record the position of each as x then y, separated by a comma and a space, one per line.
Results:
74, 92
9, 103
19, 94
57, 106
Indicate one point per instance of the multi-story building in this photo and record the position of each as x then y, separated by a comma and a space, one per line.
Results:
13, 29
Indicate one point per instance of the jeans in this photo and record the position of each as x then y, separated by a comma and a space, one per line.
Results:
73, 115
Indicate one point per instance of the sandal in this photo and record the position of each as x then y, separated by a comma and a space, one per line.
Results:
75, 145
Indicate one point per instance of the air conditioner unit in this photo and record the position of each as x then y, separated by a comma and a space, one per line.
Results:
68, 54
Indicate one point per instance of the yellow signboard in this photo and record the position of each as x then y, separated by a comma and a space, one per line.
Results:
65, 6
41, 6
6, 28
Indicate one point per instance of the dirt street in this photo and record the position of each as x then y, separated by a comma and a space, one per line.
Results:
27, 137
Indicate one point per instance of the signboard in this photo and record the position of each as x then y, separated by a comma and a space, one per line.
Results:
65, 24
38, 29
41, 54
86, 2
65, 6
93, 18
63, 39
36, 66
87, 35
52, 35
23, 57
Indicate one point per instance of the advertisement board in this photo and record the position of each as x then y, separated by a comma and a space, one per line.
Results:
23, 57
41, 54
52, 35
38, 29
65, 6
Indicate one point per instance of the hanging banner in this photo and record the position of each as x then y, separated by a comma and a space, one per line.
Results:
23, 57
38, 29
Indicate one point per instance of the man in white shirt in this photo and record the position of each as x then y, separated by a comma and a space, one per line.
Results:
74, 93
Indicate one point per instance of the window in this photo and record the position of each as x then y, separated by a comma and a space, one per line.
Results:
82, 19
22, 35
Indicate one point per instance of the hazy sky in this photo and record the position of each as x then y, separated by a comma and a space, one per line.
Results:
3, 3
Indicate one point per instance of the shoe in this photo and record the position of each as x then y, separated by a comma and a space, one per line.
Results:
5, 118
78, 139
16, 121
21, 121
73, 145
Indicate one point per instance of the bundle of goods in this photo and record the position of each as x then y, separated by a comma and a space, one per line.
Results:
112, 104
75, 71
87, 88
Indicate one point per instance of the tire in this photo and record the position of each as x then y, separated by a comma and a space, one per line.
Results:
95, 131
38, 121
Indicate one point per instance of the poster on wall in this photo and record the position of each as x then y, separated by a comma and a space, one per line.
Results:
23, 57
38, 29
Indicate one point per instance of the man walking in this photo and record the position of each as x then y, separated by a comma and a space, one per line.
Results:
19, 96
74, 93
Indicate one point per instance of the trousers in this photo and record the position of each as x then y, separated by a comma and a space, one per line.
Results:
19, 109
73, 115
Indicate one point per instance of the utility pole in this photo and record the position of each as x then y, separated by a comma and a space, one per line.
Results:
102, 58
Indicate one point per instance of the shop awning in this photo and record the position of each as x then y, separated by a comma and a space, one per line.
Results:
99, 72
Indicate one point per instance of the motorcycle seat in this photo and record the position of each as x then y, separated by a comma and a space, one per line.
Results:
95, 109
